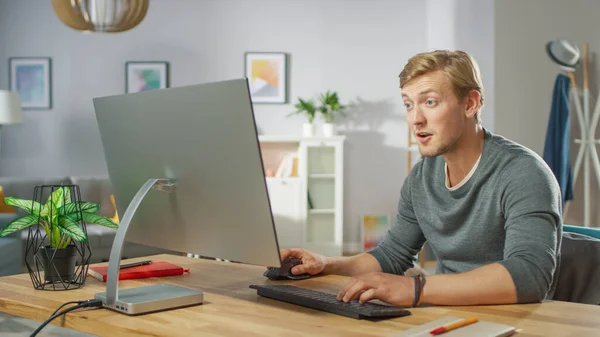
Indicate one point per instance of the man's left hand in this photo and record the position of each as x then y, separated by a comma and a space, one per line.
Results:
389, 288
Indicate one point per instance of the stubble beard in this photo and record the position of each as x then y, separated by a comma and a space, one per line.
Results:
440, 150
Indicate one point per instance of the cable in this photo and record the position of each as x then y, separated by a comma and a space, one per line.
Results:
57, 309
80, 304
53, 317
73, 302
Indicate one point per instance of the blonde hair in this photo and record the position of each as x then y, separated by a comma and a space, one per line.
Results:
459, 67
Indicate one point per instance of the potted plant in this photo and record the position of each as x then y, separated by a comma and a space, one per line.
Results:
60, 219
308, 108
330, 105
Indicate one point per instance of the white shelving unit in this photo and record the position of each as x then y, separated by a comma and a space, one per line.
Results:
308, 207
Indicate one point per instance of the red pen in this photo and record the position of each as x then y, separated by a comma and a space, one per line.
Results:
452, 326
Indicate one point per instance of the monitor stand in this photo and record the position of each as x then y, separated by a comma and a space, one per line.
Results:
141, 300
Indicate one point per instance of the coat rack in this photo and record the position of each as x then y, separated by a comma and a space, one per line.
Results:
587, 154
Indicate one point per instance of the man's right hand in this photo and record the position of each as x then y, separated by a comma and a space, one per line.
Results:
312, 263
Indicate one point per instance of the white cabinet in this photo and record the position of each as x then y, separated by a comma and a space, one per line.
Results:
308, 206
288, 207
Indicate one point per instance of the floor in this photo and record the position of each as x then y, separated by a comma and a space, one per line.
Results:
13, 326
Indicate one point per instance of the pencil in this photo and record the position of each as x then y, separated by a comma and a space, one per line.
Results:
452, 326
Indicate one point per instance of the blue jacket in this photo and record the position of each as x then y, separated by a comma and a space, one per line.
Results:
557, 148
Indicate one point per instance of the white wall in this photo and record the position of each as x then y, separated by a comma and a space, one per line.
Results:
525, 75
475, 35
354, 47
467, 25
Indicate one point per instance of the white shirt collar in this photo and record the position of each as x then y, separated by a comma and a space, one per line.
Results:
464, 181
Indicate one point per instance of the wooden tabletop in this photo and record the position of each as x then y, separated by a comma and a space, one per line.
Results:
231, 308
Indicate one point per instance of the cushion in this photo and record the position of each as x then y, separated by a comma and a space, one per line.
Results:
97, 190
4, 208
579, 273
12, 250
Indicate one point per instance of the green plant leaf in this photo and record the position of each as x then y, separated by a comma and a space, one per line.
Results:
330, 105
44, 224
71, 228
31, 206
66, 197
55, 201
72, 209
55, 234
59, 196
19, 224
49, 206
92, 218
306, 107
66, 242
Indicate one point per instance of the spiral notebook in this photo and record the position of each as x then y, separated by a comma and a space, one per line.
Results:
156, 269
478, 329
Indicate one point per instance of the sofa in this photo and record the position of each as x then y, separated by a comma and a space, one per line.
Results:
95, 189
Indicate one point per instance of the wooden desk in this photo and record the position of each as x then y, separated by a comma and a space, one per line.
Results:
233, 309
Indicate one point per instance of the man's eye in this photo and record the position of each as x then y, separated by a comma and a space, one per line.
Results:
407, 105
430, 102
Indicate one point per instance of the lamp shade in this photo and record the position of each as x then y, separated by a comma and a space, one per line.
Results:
10, 108
105, 16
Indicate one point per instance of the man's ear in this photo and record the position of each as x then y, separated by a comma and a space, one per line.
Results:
472, 104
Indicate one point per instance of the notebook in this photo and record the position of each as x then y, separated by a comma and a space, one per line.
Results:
155, 269
478, 329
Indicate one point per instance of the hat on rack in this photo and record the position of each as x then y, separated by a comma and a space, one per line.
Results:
564, 53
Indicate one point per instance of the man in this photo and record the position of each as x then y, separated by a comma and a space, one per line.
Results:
489, 208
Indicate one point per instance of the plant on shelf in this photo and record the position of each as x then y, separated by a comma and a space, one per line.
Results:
309, 109
60, 219
330, 106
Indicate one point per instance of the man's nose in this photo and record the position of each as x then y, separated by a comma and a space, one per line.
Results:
415, 117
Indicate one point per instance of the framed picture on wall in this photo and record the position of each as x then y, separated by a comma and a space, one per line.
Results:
373, 229
31, 78
146, 75
267, 76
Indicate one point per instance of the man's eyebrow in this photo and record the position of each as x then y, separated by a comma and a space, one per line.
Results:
428, 91
424, 92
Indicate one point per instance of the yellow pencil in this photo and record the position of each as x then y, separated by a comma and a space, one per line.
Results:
452, 326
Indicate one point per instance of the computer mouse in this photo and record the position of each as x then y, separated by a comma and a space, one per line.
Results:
284, 272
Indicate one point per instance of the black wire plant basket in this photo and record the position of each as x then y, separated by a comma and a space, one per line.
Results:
54, 259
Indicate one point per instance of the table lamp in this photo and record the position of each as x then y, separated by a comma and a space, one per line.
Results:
10, 108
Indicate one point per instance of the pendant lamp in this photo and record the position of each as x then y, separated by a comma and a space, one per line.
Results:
102, 16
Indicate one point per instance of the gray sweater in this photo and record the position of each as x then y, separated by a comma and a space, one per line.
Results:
508, 212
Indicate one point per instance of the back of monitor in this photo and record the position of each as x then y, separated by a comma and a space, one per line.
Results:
204, 137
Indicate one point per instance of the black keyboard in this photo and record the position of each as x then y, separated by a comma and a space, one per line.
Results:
327, 302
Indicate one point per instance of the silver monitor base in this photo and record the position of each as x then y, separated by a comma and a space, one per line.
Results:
135, 301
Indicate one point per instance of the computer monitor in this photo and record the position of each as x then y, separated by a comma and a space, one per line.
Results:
187, 174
